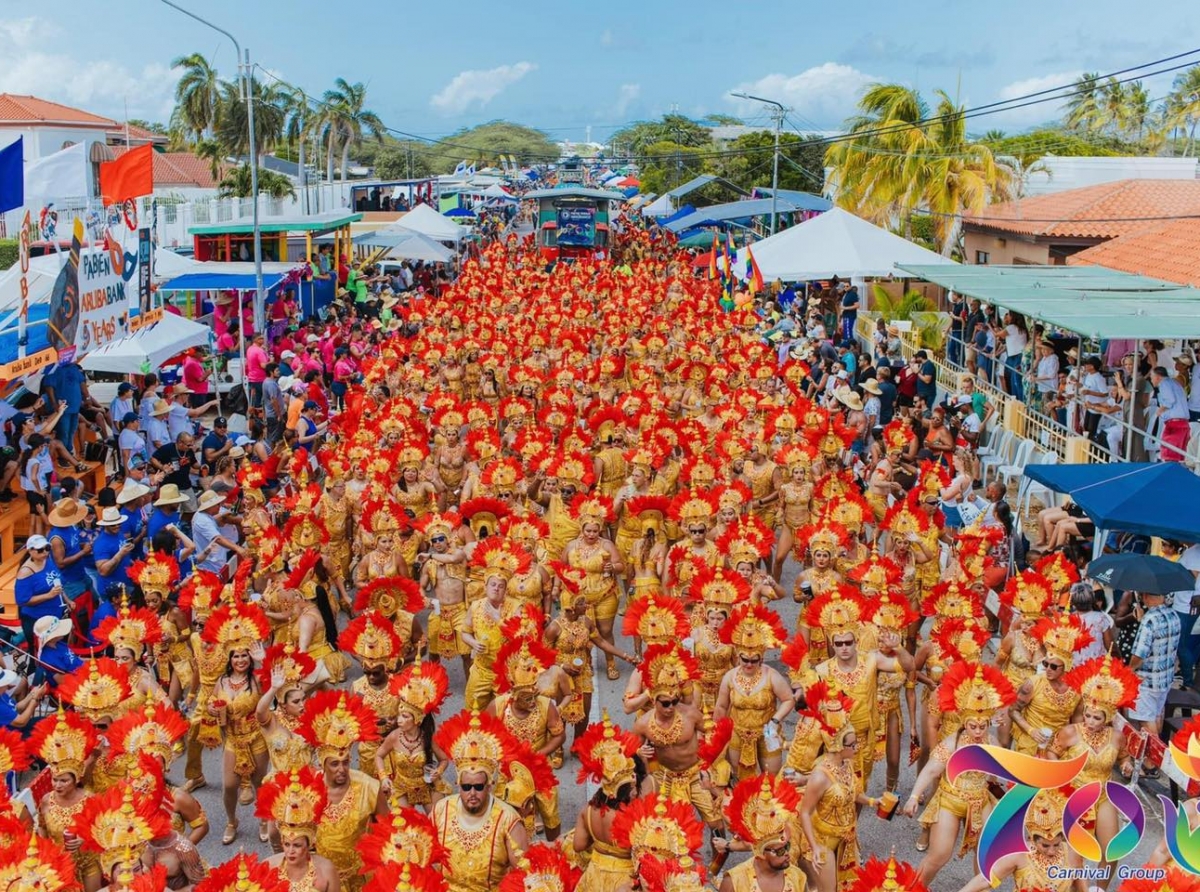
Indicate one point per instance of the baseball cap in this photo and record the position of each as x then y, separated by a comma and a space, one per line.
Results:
287, 354
136, 461
37, 541
124, 387
311, 404
221, 421
128, 417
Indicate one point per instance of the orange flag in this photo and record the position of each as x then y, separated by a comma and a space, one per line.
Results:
130, 176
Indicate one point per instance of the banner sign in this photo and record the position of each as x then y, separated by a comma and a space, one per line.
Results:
577, 227
137, 323
143, 269
27, 365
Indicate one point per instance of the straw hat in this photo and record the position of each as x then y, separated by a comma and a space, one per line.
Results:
161, 407
112, 517
67, 512
893, 330
223, 300
47, 628
286, 382
178, 390
210, 499
872, 386
168, 494
237, 452
849, 399
131, 492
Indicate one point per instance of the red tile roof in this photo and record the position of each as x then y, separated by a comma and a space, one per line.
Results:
15, 109
1168, 251
178, 169
1101, 212
136, 135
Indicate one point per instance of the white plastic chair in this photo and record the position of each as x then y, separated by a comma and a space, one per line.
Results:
1030, 488
1020, 460
998, 455
988, 438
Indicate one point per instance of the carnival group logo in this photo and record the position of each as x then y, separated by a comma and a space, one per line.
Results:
1003, 832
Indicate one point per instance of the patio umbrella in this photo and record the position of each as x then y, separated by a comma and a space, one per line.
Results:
1141, 573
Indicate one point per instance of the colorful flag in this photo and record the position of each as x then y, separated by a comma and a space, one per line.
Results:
712, 259
730, 252
754, 277
130, 176
12, 176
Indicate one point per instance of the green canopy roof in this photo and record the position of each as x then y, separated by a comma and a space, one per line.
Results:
311, 223
1089, 300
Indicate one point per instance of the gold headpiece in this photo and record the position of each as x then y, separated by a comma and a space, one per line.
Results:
753, 628
762, 810
475, 742
1105, 684
668, 669
656, 825
1062, 636
1045, 815
606, 755
519, 664
64, 741
333, 721
421, 688
974, 690
295, 801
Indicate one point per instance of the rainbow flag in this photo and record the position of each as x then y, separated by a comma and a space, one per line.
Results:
754, 279
712, 259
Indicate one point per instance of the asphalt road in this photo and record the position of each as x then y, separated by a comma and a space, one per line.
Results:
876, 837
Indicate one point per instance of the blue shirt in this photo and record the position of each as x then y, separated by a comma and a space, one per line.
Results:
61, 660
74, 573
212, 441
927, 391
106, 548
1157, 642
158, 520
67, 382
38, 584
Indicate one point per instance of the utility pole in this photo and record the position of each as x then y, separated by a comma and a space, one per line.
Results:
777, 114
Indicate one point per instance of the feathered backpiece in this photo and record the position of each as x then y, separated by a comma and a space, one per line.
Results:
63, 740
333, 721
747, 540
961, 639
500, 557
974, 690
840, 610
406, 876
1062, 636
201, 593
525, 772
14, 752
753, 628
671, 875
527, 622
655, 825
877, 574
592, 508
761, 810
421, 688
949, 599
158, 573
878, 875
1059, 570
693, 506
1028, 593
98, 690
543, 868
404, 836
606, 755
656, 618
714, 742
389, 595
650, 511
794, 656
118, 823
156, 729
35, 863
1105, 683
475, 742
243, 873
133, 628
484, 515
294, 800
891, 610
294, 664
236, 626
372, 639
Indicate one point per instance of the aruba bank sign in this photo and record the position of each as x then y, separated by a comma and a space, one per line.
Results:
1003, 832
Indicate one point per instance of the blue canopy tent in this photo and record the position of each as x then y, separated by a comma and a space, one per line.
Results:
682, 212
238, 278
1151, 499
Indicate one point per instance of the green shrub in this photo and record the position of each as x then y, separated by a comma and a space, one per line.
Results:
9, 252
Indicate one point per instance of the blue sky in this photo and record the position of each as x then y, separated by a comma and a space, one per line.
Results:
431, 68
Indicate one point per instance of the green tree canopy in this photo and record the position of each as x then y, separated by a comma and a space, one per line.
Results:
801, 161
673, 128
403, 160
666, 164
487, 142
237, 183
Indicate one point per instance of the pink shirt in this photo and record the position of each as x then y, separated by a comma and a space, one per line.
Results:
256, 364
194, 376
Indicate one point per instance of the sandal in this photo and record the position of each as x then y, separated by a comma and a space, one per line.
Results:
613, 672
245, 795
194, 784
230, 834
263, 834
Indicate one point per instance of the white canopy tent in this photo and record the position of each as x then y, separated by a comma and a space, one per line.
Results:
428, 222
414, 246
150, 347
834, 243
497, 191
660, 207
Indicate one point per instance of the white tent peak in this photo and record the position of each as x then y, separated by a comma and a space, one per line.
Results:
833, 243
427, 221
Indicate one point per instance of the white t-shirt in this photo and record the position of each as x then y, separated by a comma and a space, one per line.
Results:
1097, 623
1014, 340
1047, 373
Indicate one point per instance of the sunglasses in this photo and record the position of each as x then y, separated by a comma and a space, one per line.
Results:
478, 788
667, 704
438, 539
751, 660
698, 531
43, 548
1047, 664
843, 644
780, 851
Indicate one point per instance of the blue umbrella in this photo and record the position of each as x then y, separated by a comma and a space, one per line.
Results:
458, 212
1144, 573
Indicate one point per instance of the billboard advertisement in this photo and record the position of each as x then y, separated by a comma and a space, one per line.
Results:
576, 227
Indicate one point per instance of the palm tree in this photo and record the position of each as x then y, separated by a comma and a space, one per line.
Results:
236, 183
1084, 107
350, 120
294, 103
269, 118
1183, 104
196, 95
1136, 113
210, 150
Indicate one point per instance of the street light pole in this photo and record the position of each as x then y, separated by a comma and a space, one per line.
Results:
778, 114
246, 74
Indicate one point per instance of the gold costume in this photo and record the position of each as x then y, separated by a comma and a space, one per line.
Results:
762, 484
342, 825
528, 587
599, 588
563, 528
795, 500
243, 735
407, 772
967, 799
686, 786
575, 643
750, 711
835, 823
385, 704
476, 859
481, 680
613, 471
715, 659
286, 749
1047, 709
535, 730
1102, 755
445, 630
1022, 659
336, 515
609, 868
1034, 875
860, 684
55, 819
319, 648
806, 746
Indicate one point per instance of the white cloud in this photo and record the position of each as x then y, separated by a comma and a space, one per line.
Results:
471, 87
825, 94
626, 96
1030, 114
101, 86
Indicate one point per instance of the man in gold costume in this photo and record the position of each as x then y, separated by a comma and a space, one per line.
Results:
294, 801
334, 721
762, 814
483, 837
1046, 703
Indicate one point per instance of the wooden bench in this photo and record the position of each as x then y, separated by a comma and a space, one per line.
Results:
8, 590
14, 522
